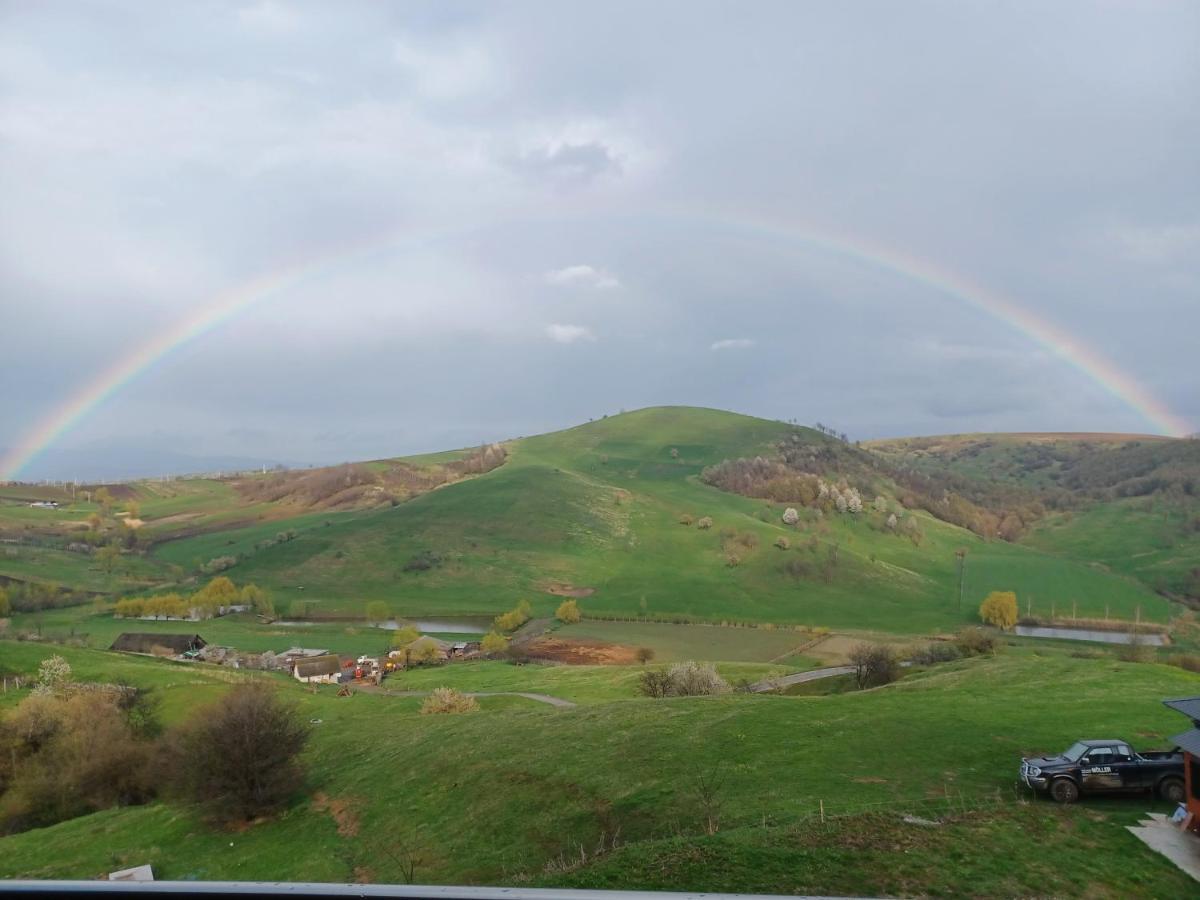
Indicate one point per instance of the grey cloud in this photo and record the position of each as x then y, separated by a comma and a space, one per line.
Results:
444, 187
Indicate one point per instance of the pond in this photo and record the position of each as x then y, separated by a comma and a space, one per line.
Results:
1089, 634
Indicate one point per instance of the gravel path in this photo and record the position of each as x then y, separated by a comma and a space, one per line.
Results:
771, 684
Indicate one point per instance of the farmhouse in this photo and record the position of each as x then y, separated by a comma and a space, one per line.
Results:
141, 642
317, 669
1189, 743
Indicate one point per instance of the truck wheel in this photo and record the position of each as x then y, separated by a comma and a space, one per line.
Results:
1064, 790
1171, 790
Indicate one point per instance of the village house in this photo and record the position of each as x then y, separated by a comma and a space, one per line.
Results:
159, 644
317, 669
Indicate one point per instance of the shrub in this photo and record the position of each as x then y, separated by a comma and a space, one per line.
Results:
797, 568
748, 539
733, 560
937, 652
1188, 662
219, 564
790, 516
704, 523
515, 617
653, 683
645, 654
568, 612
874, 665
240, 758
377, 612
1136, 651
404, 635
782, 542
685, 519
999, 608
693, 679
422, 562
493, 643
448, 701
975, 642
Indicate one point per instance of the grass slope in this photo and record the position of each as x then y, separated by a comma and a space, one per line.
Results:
598, 506
496, 796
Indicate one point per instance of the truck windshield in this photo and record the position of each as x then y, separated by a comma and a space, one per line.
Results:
1075, 751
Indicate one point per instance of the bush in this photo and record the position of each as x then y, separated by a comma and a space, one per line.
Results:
493, 643
999, 608
1137, 651
937, 652
874, 665
975, 642
782, 542
568, 612
377, 612
448, 701
653, 683
733, 560
645, 654
422, 562
790, 516
704, 523
404, 635
1188, 662
219, 564
693, 679
239, 758
515, 617
685, 519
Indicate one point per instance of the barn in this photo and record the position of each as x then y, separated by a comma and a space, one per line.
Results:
317, 669
156, 643
1189, 742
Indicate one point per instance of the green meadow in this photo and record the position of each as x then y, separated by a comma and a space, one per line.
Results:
505, 794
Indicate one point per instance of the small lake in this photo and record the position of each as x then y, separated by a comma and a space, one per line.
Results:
440, 625
1088, 634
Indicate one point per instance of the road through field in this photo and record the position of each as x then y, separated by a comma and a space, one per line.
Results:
771, 684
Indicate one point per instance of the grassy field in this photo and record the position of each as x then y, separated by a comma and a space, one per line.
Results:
499, 795
672, 643
1146, 538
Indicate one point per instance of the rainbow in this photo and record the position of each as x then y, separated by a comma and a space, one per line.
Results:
239, 298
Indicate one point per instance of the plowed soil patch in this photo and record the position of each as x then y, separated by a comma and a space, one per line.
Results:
582, 652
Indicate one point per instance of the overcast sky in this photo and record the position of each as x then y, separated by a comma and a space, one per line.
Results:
538, 213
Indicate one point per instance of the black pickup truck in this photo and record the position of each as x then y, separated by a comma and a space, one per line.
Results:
1094, 767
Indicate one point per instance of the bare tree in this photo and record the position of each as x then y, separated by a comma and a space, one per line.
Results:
239, 758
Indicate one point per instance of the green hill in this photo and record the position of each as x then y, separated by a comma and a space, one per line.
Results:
598, 510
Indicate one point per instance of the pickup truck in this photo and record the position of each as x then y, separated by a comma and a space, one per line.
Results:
1112, 766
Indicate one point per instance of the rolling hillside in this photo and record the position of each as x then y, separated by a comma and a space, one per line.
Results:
599, 511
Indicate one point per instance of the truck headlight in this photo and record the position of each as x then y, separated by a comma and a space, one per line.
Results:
1035, 771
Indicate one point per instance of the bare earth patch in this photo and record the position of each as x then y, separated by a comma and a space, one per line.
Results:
582, 651
341, 810
563, 589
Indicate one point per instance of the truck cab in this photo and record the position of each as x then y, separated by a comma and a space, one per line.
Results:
1105, 766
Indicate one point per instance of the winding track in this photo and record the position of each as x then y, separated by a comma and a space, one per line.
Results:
770, 684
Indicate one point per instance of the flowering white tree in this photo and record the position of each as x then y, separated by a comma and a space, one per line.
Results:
53, 675
790, 516
854, 502
891, 522
839, 500
880, 504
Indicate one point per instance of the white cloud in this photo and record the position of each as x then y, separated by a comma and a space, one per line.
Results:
448, 72
569, 334
732, 344
582, 276
268, 16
